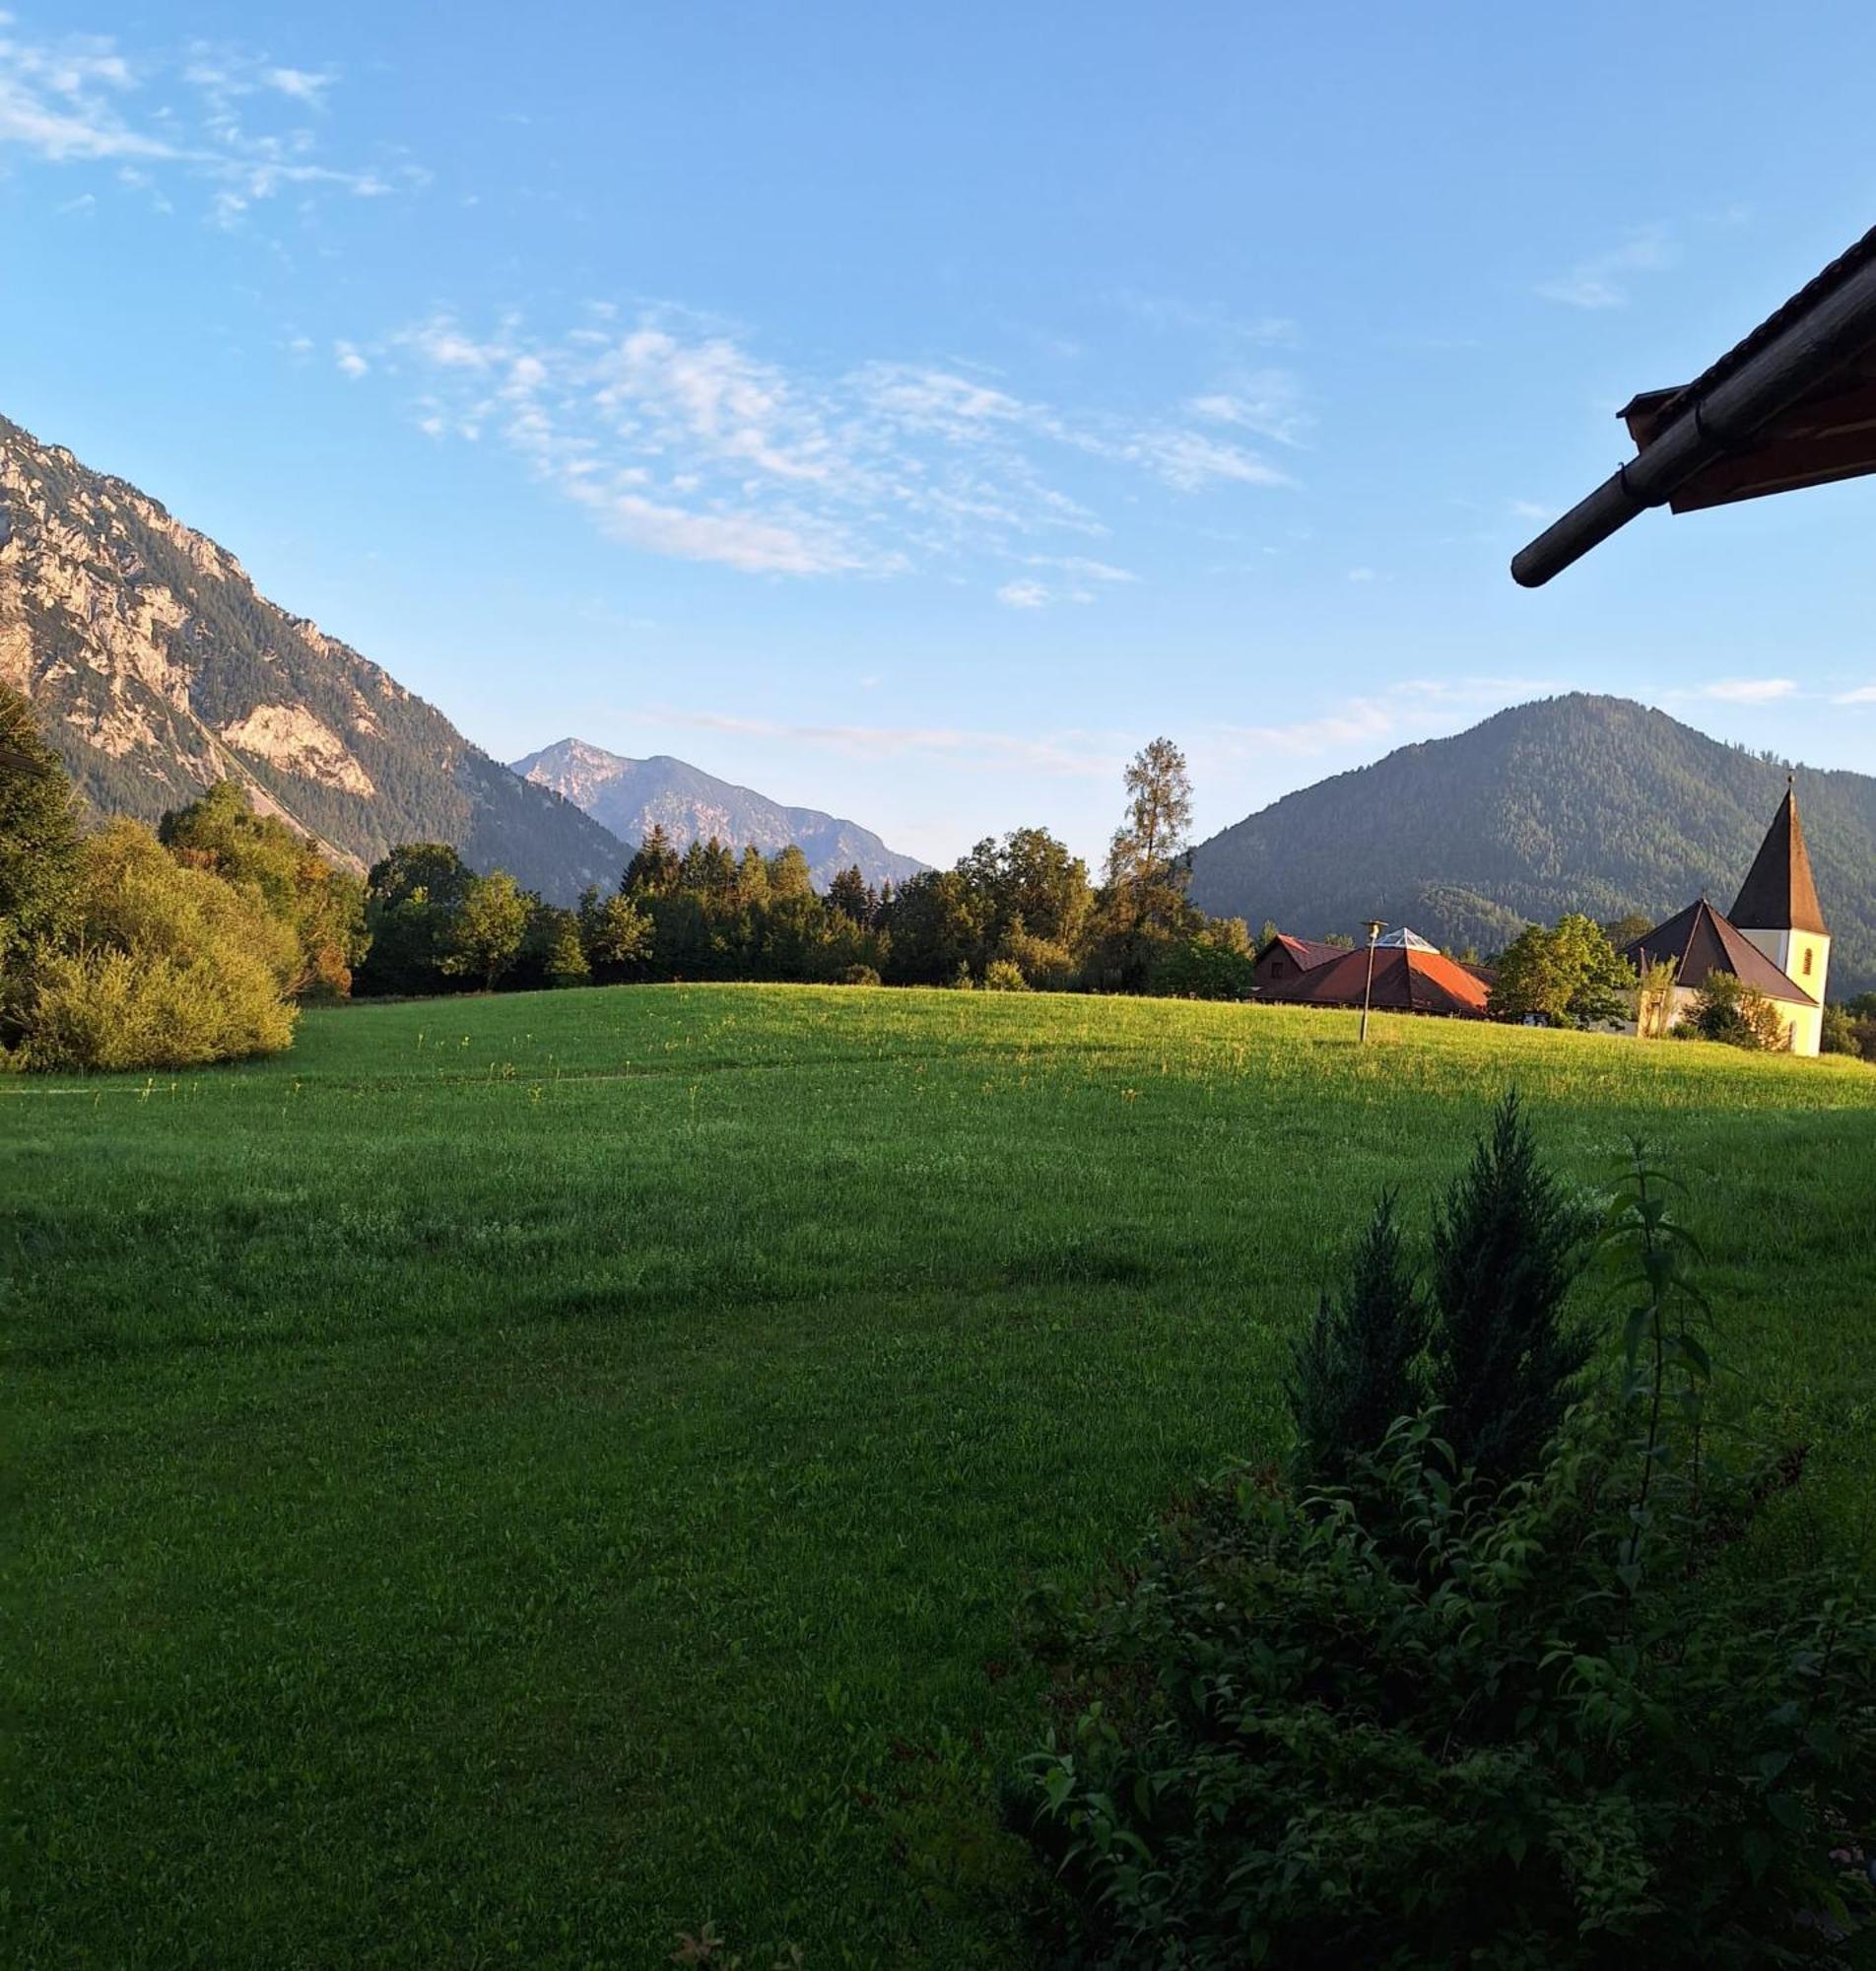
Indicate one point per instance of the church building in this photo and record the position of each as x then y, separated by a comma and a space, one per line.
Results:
1774, 939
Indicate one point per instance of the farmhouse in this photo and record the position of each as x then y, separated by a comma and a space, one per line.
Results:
1284, 959
1410, 977
1774, 940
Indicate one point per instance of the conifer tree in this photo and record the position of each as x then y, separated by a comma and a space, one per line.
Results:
39, 833
1355, 1368
1506, 1245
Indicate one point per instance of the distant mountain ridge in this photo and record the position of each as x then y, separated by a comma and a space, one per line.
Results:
156, 668
1571, 803
632, 796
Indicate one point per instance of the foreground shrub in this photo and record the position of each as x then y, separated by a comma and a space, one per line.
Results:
1608, 1714
1451, 1726
1493, 1350
168, 966
1507, 1244
1004, 974
1355, 1373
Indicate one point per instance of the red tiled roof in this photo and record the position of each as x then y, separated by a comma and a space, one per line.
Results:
1701, 940
1308, 952
1406, 981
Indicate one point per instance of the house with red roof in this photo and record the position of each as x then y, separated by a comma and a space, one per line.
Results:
1409, 977
1284, 959
1774, 940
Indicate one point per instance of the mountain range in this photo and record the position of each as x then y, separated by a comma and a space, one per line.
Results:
1571, 803
632, 796
156, 668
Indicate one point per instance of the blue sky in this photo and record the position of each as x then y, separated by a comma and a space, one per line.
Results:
911, 411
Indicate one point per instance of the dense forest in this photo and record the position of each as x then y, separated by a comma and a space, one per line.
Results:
1573, 803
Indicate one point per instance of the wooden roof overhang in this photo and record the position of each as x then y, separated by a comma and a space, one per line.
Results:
1793, 404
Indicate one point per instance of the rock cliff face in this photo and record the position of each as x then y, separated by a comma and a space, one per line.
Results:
156, 668
632, 796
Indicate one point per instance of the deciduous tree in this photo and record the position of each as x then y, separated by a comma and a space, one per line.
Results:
486, 931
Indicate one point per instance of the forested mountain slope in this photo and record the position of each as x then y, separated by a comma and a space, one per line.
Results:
1573, 803
632, 796
155, 667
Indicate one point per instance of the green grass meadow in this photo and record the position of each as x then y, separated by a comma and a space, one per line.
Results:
516, 1477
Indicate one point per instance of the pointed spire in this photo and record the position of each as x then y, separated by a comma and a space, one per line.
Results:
1779, 892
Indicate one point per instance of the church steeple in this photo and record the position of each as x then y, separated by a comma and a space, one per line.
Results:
1779, 892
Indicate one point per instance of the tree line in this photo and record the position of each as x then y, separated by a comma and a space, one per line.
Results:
124, 947
1014, 914
197, 942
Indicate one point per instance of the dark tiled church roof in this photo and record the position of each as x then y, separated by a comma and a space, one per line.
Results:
1700, 940
1779, 892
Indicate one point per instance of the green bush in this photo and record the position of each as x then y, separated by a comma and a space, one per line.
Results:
1213, 962
110, 1009
858, 975
1735, 1015
1614, 1712
1047, 962
285, 872
168, 967
1442, 1726
1004, 974
1840, 1034
1494, 1350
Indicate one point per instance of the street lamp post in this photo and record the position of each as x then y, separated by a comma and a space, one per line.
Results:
1374, 929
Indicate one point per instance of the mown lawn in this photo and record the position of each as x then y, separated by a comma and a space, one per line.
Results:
516, 1477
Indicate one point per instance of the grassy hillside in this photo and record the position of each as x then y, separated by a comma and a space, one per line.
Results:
519, 1476
1571, 803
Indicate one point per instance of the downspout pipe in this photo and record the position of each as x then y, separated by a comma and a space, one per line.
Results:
1727, 417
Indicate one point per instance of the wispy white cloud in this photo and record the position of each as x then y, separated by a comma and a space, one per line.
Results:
1602, 281
1172, 313
1268, 403
1748, 691
302, 85
1415, 708
1024, 595
1071, 754
350, 362
679, 438
1864, 694
206, 114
